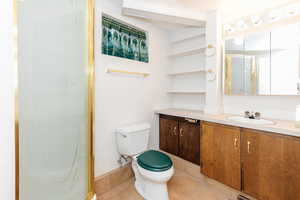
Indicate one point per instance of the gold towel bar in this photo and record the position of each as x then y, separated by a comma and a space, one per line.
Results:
127, 72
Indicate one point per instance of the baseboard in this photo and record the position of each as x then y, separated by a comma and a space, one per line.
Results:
107, 181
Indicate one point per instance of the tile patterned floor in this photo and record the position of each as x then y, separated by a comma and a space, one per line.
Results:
181, 187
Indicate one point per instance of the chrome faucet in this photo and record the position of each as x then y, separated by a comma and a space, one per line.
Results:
257, 115
247, 114
252, 115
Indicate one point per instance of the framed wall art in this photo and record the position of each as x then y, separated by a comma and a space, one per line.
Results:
122, 40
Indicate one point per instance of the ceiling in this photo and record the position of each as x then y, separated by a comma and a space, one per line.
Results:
229, 9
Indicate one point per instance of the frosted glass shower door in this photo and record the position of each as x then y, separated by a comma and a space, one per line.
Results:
53, 99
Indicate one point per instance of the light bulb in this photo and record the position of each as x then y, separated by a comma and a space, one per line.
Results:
228, 28
292, 10
241, 25
256, 20
274, 15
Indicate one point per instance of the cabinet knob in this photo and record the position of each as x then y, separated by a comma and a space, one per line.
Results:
181, 132
248, 147
175, 130
235, 143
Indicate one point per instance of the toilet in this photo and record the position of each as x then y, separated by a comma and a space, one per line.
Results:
152, 169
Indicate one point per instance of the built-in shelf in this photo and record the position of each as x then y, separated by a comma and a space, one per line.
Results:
187, 68
187, 72
189, 52
188, 38
186, 92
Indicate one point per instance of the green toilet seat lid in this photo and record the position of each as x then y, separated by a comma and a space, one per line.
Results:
154, 161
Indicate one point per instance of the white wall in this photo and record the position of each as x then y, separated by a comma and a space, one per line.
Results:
7, 165
122, 99
214, 88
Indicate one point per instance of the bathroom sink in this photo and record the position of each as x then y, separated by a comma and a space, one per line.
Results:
251, 121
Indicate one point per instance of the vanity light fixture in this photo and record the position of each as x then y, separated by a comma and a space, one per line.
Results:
264, 18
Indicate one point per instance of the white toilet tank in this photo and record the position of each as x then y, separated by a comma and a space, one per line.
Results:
133, 139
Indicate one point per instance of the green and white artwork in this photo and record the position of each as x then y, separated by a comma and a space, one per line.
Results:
124, 41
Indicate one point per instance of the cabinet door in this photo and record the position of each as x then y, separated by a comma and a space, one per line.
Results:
263, 165
168, 137
292, 168
189, 142
220, 154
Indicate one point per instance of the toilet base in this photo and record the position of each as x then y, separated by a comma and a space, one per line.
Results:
148, 189
152, 191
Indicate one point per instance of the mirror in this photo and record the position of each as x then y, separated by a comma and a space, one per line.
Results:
264, 63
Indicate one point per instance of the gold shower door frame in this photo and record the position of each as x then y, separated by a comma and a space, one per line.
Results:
91, 102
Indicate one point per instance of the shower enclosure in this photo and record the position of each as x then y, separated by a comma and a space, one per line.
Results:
54, 125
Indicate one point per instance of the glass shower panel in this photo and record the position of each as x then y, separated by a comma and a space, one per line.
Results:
53, 95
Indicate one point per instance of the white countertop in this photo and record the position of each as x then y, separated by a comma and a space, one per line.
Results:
280, 126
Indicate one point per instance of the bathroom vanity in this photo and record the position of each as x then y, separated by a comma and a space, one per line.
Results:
259, 160
262, 164
180, 136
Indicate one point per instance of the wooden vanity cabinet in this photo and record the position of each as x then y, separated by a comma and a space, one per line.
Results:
189, 141
180, 137
220, 153
263, 165
292, 168
168, 135
271, 165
